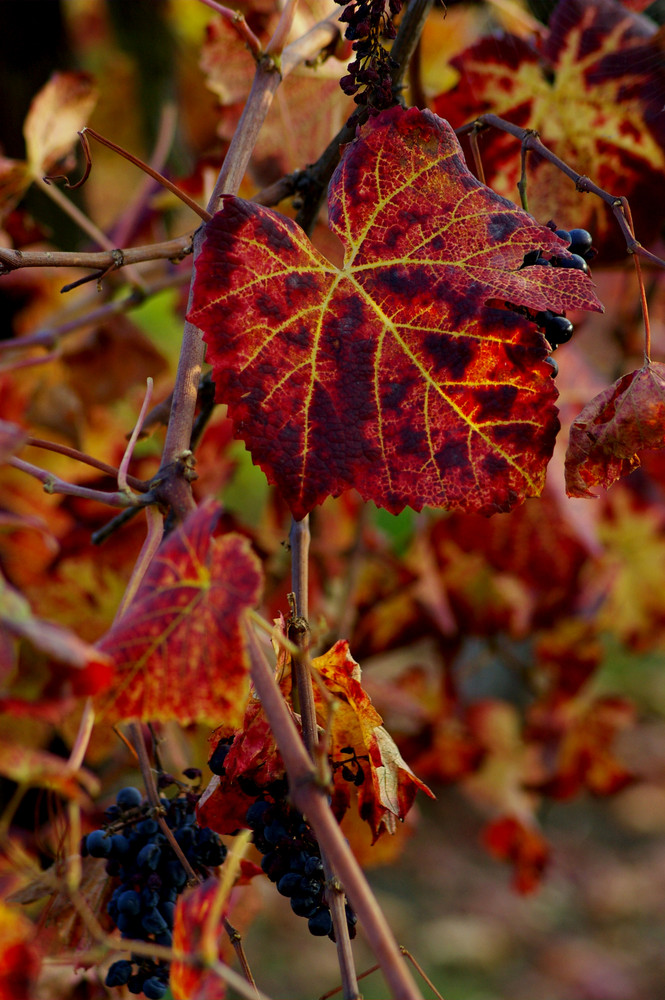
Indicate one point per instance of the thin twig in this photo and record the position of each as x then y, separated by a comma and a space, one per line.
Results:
531, 141
640, 283
147, 169
239, 24
133, 438
136, 734
173, 250
53, 484
62, 449
311, 801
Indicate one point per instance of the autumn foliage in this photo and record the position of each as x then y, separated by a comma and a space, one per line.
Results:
344, 495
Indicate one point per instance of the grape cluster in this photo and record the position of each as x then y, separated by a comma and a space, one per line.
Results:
150, 877
555, 326
370, 74
292, 859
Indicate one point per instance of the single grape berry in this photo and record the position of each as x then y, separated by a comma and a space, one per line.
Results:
553, 365
320, 923
558, 330
129, 902
154, 989
119, 973
129, 798
98, 844
575, 261
580, 241
219, 755
563, 234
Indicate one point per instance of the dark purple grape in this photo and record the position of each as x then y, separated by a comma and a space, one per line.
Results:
257, 812
135, 984
149, 899
154, 989
98, 844
167, 910
558, 330
149, 857
553, 365
290, 884
575, 261
580, 241
320, 923
313, 866
176, 874
304, 906
153, 922
119, 846
217, 758
129, 798
119, 973
129, 902
563, 234
147, 828
128, 925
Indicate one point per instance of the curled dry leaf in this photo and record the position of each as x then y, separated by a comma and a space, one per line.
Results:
401, 374
58, 112
611, 432
179, 651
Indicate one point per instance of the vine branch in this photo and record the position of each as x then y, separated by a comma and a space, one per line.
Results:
531, 142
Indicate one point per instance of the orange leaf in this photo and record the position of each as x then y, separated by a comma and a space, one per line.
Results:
364, 756
179, 650
189, 982
510, 839
611, 432
43, 666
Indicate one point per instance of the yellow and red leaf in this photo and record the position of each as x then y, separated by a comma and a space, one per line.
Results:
401, 374
179, 651
610, 434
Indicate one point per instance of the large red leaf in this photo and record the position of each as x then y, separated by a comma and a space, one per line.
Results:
399, 374
611, 432
180, 650
594, 90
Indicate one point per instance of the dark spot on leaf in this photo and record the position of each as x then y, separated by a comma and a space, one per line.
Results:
495, 403
502, 225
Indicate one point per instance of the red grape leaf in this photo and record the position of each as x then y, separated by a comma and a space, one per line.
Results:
192, 912
611, 432
399, 374
585, 757
594, 91
179, 650
20, 959
511, 839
